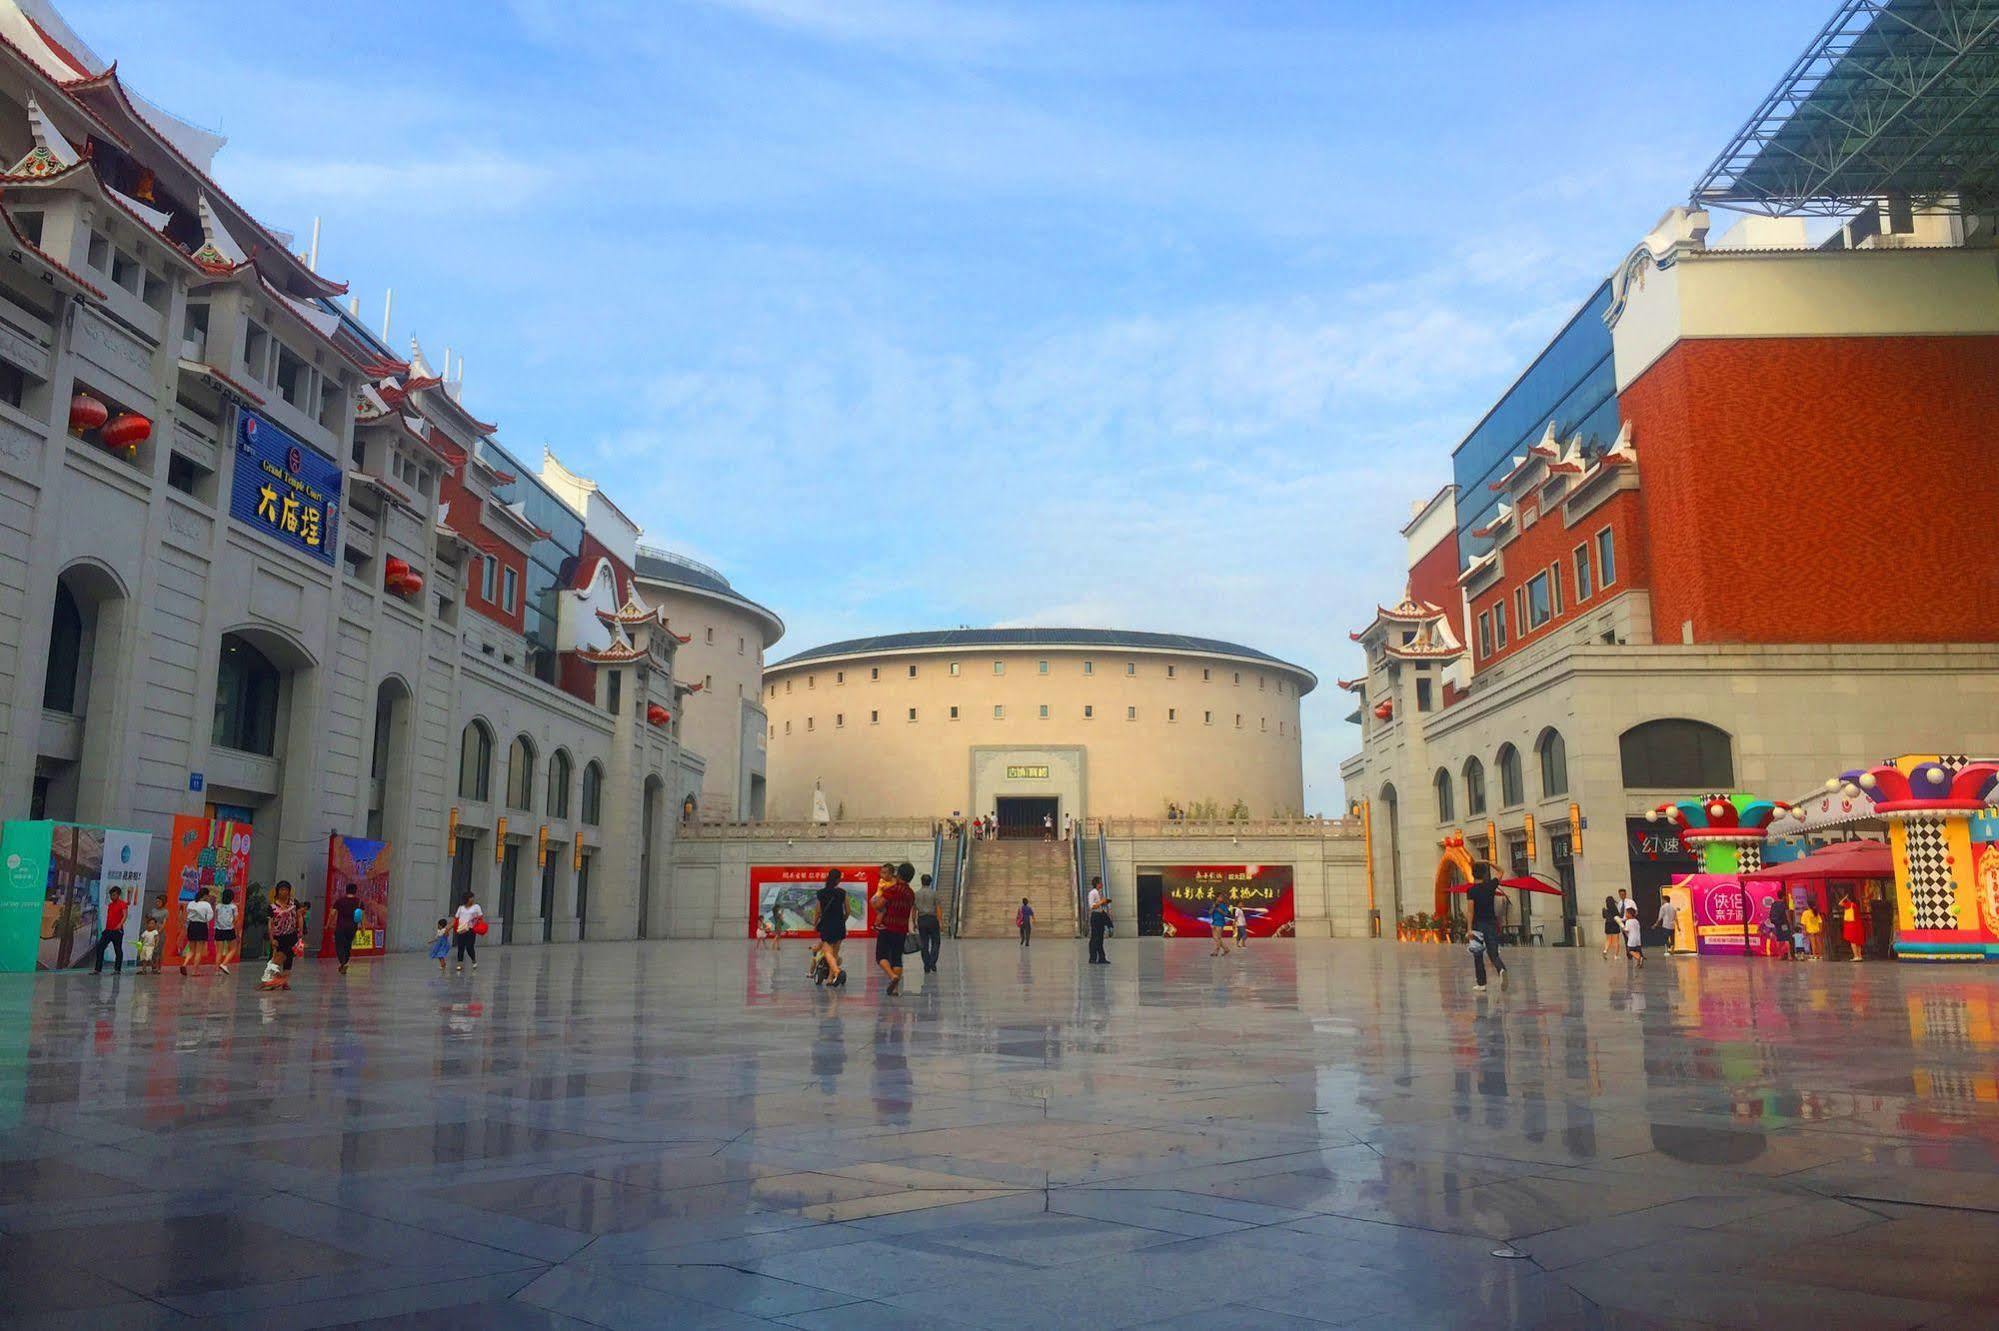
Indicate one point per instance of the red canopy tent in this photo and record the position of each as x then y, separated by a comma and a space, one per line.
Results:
1842, 859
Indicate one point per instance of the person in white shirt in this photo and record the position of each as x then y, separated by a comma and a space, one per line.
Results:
1669, 919
1634, 937
1100, 922
1241, 922
1047, 827
228, 941
200, 916
465, 932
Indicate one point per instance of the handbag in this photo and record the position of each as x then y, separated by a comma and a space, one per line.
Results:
479, 926
1476, 945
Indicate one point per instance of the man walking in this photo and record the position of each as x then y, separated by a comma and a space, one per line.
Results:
1484, 893
1100, 922
1023, 920
346, 923
113, 933
1669, 921
894, 902
929, 928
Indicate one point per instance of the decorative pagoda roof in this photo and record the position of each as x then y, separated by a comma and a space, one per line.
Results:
621, 651
1408, 610
632, 612
1434, 641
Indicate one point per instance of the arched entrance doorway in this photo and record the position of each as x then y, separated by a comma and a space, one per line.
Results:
1453, 867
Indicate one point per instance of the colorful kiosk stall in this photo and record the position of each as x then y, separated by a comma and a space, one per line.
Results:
1943, 833
1719, 910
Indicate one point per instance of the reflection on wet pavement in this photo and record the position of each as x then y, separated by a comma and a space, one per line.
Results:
1308, 1135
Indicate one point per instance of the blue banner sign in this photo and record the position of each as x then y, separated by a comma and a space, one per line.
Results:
284, 489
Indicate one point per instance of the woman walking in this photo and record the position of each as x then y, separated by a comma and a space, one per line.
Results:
1613, 926
466, 922
1852, 925
228, 937
829, 910
286, 922
200, 916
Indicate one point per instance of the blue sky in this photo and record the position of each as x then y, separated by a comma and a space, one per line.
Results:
911, 314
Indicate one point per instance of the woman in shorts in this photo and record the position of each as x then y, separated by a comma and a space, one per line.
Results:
228, 945
830, 910
286, 920
200, 919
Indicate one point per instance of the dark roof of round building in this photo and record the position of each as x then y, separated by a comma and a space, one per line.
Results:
1031, 637
655, 565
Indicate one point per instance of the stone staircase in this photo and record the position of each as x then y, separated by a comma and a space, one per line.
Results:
1000, 873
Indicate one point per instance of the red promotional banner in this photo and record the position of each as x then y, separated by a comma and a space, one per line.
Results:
791, 890
365, 865
203, 852
1189, 891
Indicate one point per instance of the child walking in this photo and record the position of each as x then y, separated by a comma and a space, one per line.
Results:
1634, 937
228, 942
440, 946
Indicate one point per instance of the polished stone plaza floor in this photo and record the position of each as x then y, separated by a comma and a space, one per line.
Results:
692, 1135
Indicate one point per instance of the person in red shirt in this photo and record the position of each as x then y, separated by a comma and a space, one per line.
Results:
113, 933
894, 901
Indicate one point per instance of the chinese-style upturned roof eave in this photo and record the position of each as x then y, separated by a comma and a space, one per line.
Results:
104, 97
433, 390
1352, 685
393, 493
82, 175
68, 279
1892, 99
1413, 653
615, 654
228, 386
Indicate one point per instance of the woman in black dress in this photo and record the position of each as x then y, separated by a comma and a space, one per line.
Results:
830, 908
1613, 928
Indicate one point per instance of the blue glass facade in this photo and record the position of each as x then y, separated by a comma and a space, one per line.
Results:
551, 563
1572, 383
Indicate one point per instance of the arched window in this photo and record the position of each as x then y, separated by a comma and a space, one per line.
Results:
593, 793
1446, 803
475, 763
1554, 753
246, 699
520, 773
65, 654
558, 785
1676, 754
1474, 787
1511, 788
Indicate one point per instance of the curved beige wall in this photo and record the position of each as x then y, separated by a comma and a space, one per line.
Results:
854, 736
725, 655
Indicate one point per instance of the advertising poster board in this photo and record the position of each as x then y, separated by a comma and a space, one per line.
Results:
25, 850
365, 864
1264, 891
203, 852
789, 889
1729, 913
1985, 872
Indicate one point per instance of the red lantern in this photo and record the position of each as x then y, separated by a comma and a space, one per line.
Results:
412, 586
657, 714
86, 413
129, 430
394, 570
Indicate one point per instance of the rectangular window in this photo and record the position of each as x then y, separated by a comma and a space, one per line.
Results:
741, 645
1422, 695
1485, 635
954, 667
1520, 625
999, 711
808, 723
1169, 672
1555, 586
707, 683
1089, 667
489, 579
614, 692
1259, 683
912, 672
999, 667
1040, 667
1606, 558
1172, 714
874, 718
912, 713
874, 672
1204, 674
1044, 711
954, 714
1499, 626
812, 681
1131, 667
1207, 718
1238, 679
1263, 724
1539, 610
1131, 714
711, 635
1238, 720
512, 589
839, 720
787, 727
839, 677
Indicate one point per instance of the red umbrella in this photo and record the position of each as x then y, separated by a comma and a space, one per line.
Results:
1842, 859
1517, 884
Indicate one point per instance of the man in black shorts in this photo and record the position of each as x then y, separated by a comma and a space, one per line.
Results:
894, 904
1484, 894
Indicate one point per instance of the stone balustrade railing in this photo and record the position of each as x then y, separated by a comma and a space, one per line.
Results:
875, 829
1208, 828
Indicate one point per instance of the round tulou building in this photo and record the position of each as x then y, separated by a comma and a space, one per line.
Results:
1028, 723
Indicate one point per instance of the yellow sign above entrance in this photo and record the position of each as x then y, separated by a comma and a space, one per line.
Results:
1027, 773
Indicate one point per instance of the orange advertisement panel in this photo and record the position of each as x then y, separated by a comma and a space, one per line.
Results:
204, 852
789, 891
